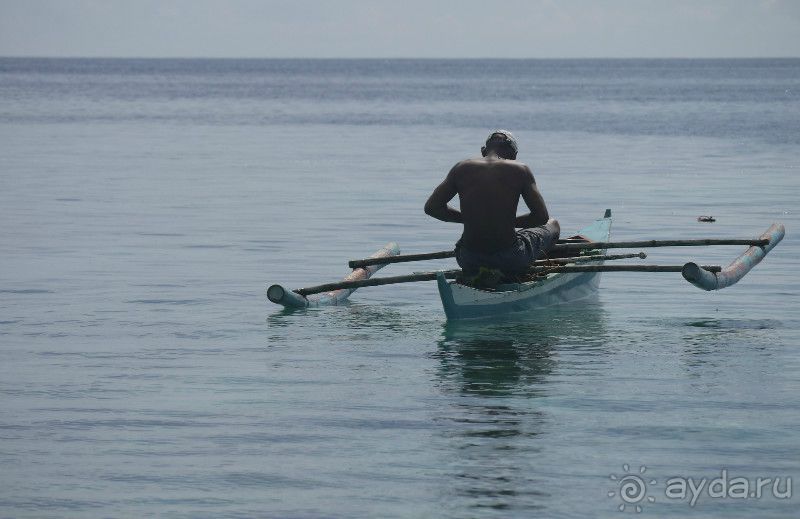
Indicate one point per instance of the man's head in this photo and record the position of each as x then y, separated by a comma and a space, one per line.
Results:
502, 143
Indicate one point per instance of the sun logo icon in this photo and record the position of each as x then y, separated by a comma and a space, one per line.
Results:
632, 488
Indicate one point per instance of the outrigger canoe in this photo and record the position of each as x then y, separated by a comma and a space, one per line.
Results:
555, 282
461, 301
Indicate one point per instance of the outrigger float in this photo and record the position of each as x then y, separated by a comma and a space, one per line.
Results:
571, 275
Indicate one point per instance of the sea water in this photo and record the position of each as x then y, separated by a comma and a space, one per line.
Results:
146, 204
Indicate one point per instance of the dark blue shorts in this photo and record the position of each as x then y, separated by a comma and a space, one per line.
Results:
530, 245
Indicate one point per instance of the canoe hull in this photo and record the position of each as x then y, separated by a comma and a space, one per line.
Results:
464, 302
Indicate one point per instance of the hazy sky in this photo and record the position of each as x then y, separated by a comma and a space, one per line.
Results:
400, 28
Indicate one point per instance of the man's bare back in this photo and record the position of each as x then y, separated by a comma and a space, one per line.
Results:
489, 189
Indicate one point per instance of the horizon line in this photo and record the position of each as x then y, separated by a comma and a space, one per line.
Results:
399, 58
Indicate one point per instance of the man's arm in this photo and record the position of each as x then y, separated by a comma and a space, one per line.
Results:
534, 201
436, 205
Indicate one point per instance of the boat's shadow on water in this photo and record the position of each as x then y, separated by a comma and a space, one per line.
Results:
520, 336
495, 372
514, 355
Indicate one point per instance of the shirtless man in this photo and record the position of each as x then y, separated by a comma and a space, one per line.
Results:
489, 189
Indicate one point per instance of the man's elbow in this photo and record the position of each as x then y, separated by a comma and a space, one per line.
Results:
430, 209
544, 215
540, 219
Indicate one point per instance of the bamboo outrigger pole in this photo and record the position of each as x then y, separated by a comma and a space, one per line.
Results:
576, 246
584, 259
452, 274
657, 243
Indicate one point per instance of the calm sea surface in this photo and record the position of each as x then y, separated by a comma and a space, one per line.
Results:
146, 204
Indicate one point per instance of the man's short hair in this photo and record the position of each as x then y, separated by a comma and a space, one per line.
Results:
502, 140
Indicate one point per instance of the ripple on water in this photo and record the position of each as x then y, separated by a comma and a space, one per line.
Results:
169, 301
26, 291
736, 324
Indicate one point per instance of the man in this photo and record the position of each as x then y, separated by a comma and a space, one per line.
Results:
489, 189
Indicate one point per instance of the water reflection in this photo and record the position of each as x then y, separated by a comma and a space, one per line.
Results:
496, 372
360, 317
513, 356
493, 365
356, 316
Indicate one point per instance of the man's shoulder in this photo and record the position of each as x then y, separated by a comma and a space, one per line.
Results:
481, 162
470, 170
518, 165
470, 162
462, 166
524, 169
